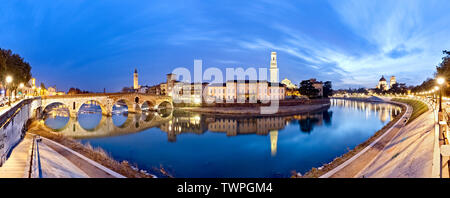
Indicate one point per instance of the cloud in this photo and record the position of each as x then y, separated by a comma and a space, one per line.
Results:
407, 36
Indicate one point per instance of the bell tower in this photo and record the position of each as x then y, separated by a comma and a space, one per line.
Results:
135, 80
273, 68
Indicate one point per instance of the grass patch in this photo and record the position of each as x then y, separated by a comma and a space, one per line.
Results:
96, 154
419, 107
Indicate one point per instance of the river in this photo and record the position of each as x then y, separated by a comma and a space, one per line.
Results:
197, 145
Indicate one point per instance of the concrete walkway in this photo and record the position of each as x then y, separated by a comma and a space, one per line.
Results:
51, 160
409, 154
17, 165
54, 165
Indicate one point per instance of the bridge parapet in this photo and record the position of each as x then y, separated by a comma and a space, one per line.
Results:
106, 101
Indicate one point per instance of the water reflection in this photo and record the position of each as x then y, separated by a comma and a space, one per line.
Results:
187, 139
89, 115
386, 112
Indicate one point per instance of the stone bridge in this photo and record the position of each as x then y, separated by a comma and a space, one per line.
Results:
134, 123
134, 101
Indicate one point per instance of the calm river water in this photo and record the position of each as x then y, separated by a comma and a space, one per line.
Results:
195, 145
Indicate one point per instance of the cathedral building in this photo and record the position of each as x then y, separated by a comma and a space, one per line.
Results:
383, 84
392, 81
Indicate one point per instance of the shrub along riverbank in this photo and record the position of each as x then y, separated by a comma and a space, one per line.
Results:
419, 107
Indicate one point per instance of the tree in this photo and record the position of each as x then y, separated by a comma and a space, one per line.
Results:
327, 89
443, 69
13, 65
307, 89
426, 85
127, 90
42, 85
398, 88
73, 91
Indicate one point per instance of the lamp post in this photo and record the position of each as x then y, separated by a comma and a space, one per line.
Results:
8, 81
21, 85
440, 82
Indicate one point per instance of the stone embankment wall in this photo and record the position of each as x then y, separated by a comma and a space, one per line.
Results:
13, 125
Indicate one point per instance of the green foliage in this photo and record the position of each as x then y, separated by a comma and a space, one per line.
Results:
442, 70
398, 88
327, 89
15, 66
418, 107
307, 89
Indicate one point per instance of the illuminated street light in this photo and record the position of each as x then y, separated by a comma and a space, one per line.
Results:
440, 80
8, 81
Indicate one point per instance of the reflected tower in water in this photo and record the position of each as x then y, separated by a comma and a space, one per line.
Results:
273, 142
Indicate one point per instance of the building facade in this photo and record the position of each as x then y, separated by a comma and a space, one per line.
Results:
317, 85
289, 84
246, 90
383, 84
249, 90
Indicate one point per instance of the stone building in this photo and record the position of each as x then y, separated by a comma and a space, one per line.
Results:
382, 84
392, 82
289, 84
246, 90
317, 85
249, 90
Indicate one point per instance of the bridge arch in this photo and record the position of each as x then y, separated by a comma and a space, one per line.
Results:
148, 105
90, 121
165, 105
125, 101
61, 112
78, 106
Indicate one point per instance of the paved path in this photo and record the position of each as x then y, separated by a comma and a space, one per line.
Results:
52, 161
74, 165
410, 153
54, 165
17, 165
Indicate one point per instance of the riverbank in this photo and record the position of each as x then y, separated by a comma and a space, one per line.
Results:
95, 154
338, 162
410, 153
284, 108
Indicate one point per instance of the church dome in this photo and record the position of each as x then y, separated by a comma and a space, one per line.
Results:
382, 78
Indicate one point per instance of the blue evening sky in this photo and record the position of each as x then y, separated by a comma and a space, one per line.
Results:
96, 44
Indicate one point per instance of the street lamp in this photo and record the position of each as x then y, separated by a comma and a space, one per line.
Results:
8, 81
21, 85
440, 82
34, 90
